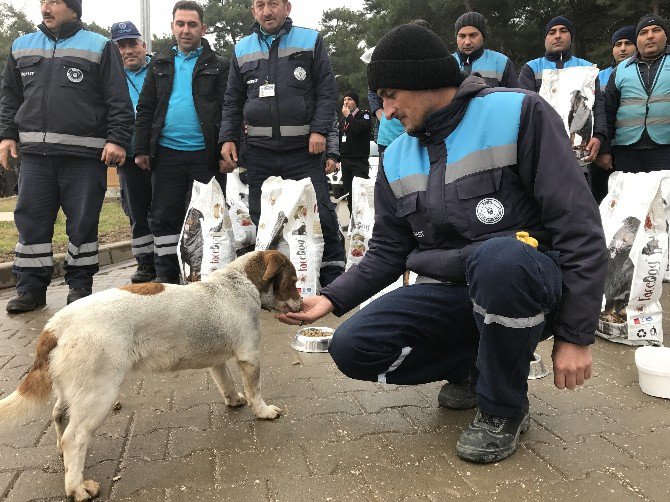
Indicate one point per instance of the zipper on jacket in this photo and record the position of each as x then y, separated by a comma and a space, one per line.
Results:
46, 90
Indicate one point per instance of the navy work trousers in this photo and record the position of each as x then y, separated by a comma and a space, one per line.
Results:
298, 164
47, 183
431, 332
641, 160
136, 198
172, 176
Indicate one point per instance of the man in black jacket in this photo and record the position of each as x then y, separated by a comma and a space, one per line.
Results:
507, 243
66, 104
354, 142
282, 85
177, 129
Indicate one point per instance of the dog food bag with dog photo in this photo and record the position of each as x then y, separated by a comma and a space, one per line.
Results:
362, 219
665, 194
634, 221
206, 242
290, 223
237, 197
572, 92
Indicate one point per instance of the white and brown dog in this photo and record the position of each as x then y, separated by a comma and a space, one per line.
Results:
86, 349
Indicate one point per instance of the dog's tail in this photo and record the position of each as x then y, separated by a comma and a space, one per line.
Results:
35, 390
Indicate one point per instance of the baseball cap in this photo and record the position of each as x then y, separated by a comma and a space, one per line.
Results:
124, 29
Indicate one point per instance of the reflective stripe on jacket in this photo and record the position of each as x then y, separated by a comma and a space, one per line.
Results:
495, 68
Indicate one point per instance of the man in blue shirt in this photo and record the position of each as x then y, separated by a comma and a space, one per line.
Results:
177, 129
136, 182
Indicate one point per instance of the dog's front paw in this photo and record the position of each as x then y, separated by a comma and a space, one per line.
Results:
269, 412
235, 400
88, 490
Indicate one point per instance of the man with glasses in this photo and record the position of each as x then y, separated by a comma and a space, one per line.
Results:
135, 181
65, 106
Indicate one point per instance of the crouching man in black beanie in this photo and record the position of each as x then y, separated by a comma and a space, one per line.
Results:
483, 199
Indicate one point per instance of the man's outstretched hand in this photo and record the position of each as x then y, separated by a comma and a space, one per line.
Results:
572, 364
313, 309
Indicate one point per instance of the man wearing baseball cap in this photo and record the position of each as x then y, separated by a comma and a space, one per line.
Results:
135, 181
495, 68
66, 107
637, 102
558, 35
506, 241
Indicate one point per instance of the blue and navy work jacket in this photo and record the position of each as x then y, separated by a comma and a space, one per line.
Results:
531, 73
495, 68
303, 97
65, 95
604, 77
639, 109
492, 163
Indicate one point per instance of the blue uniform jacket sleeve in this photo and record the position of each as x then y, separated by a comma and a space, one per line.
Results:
570, 215
392, 241
527, 79
120, 114
325, 90
509, 78
11, 87
231, 112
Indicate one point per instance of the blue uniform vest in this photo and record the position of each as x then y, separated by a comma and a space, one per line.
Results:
639, 110
604, 77
490, 65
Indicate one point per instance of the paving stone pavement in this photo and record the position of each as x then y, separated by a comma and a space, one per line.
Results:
339, 439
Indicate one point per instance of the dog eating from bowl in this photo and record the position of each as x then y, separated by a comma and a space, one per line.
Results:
86, 349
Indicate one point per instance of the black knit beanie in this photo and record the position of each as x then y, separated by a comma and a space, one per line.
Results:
412, 57
75, 5
649, 20
624, 33
560, 20
472, 19
353, 95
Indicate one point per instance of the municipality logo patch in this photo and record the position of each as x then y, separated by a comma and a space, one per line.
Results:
75, 75
490, 211
300, 73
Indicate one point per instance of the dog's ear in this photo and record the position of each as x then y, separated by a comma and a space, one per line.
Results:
274, 262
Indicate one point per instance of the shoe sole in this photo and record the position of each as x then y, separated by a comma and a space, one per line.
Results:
478, 456
24, 310
141, 281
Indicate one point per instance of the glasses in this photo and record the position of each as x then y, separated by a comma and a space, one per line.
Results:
50, 3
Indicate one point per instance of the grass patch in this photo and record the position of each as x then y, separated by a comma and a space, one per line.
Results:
114, 227
7, 204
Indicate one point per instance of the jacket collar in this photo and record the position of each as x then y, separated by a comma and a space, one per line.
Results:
285, 28
168, 54
470, 58
559, 56
635, 58
442, 122
67, 30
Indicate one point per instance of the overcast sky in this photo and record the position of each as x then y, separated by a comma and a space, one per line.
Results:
105, 12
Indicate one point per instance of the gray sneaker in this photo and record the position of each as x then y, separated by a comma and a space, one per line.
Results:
458, 396
490, 438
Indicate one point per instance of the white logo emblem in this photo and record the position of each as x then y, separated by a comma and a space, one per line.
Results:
300, 73
366, 116
490, 211
75, 75
122, 26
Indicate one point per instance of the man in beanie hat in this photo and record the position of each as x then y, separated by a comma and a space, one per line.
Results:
495, 68
623, 46
71, 116
558, 34
483, 199
355, 127
637, 103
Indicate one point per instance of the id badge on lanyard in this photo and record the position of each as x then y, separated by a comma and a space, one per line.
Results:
266, 91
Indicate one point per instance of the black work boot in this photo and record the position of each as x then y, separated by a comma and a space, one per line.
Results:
458, 396
167, 280
490, 438
26, 302
78, 293
144, 273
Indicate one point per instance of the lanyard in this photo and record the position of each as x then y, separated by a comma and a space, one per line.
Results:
133, 84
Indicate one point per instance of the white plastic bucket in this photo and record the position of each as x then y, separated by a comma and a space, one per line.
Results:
653, 366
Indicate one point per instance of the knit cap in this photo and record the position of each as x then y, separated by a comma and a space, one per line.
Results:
472, 19
75, 5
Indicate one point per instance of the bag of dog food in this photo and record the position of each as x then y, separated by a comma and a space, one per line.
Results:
572, 93
237, 197
206, 242
637, 242
362, 219
290, 223
665, 194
